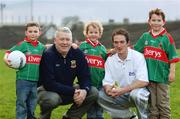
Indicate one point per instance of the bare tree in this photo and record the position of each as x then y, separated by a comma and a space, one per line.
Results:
70, 20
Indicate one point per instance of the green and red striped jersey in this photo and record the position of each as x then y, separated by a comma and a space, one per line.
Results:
159, 52
33, 52
96, 55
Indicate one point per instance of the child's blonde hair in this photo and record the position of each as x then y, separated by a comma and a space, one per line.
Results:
158, 12
94, 24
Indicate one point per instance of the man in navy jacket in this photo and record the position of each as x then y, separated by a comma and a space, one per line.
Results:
60, 66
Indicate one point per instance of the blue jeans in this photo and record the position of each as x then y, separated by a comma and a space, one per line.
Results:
26, 92
95, 112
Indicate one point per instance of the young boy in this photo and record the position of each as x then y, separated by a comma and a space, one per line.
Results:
160, 53
27, 77
96, 55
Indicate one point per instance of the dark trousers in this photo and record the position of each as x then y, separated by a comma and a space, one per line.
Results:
51, 100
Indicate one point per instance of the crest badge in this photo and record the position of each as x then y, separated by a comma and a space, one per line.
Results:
85, 51
146, 42
160, 45
28, 53
73, 63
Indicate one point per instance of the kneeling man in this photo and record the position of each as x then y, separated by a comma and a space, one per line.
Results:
60, 65
125, 80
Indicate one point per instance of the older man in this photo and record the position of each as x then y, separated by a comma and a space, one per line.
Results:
125, 80
60, 65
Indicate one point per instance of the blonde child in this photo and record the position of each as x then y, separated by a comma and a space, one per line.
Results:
96, 55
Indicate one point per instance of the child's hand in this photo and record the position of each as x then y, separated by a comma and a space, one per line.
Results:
48, 45
171, 77
111, 52
75, 46
7, 62
172, 73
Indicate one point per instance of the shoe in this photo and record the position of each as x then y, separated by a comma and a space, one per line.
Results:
65, 117
134, 117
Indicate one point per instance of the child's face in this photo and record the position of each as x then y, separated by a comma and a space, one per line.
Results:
32, 33
93, 34
156, 23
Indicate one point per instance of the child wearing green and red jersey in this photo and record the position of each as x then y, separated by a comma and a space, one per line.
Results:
96, 55
159, 50
27, 77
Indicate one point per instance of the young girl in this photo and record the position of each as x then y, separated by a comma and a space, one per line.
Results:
96, 55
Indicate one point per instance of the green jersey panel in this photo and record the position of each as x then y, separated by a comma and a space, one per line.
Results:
159, 52
33, 56
96, 56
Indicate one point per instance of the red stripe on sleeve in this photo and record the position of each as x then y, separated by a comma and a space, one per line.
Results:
174, 60
170, 38
8, 51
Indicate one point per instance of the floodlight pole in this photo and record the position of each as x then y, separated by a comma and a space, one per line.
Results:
2, 6
32, 17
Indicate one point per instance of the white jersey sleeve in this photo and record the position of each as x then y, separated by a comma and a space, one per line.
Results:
108, 75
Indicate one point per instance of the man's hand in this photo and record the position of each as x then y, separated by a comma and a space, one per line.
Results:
117, 91
79, 96
107, 89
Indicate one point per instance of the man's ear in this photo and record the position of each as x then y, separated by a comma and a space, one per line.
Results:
54, 40
148, 21
128, 43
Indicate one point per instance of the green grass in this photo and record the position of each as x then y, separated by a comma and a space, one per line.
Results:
8, 97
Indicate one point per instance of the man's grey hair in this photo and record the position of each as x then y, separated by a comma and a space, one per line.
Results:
63, 29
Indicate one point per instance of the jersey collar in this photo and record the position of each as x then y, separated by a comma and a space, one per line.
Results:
93, 44
34, 43
160, 34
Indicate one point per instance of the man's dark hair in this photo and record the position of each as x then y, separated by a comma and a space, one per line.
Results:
121, 31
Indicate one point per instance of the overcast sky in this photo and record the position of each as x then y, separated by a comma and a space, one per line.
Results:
103, 10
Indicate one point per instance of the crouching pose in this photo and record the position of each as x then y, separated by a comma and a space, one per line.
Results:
59, 67
125, 80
